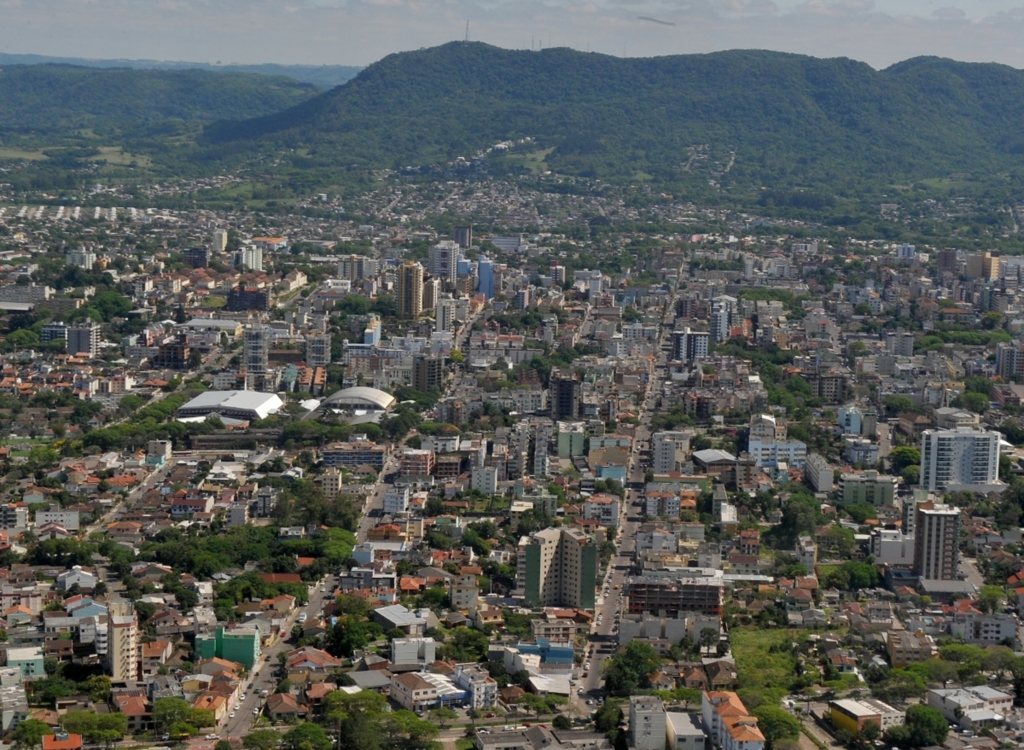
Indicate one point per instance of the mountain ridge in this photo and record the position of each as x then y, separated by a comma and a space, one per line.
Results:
612, 117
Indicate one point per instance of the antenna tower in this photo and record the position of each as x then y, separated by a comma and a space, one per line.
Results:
467, 31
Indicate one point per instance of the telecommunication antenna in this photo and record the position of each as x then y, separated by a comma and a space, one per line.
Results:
467, 31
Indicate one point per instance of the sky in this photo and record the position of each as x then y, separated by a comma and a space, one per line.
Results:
358, 32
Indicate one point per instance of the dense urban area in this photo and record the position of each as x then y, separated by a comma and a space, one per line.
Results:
469, 461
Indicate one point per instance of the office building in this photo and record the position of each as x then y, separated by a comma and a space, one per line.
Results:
444, 259
122, 641
485, 277
959, 459
84, 339
937, 542
557, 568
318, 350
427, 373
566, 394
409, 290
647, 723
197, 257
464, 237
689, 345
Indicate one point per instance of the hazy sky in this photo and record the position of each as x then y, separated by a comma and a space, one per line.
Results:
357, 32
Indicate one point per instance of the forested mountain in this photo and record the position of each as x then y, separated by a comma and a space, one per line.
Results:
783, 117
324, 76
57, 99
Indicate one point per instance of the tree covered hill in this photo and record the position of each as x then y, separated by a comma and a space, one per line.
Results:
57, 99
749, 117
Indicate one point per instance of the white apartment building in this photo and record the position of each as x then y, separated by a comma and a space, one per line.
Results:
647, 730
962, 458
669, 450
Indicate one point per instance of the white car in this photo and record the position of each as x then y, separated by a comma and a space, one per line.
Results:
587, 666
231, 715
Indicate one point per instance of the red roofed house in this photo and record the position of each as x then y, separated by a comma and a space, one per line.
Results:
62, 741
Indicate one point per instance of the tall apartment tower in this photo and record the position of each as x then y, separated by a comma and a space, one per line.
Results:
936, 541
122, 642
431, 293
444, 261
485, 277
566, 394
355, 267
318, 350
961, 458
427, 373
689, 345
256, 351
445, 317
557, 568
220, 241
720, 320
464, 237
668, 450
252, 257
410, 290
84, 339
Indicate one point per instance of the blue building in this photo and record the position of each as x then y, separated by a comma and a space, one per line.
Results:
485, 274
548, 653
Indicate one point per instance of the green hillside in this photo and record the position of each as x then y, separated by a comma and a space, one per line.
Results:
324, 76
58, 99
749, 117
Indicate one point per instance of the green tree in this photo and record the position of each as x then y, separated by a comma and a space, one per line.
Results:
562, 722
306, 736
990, 599
608, 717
629, 670
170, 711
443, 716
261, 739
923, 726
776, 724
29, 734
904, 456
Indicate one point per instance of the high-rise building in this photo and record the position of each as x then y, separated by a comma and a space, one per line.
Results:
937, 542
355, 267
485, 276
444, 259
318, 350
1010, 361
53, 331
371, 334
80, 258
410, 290
248, 298
558, 273
720, 321
667, 597
445, 316
557, 568
689, 345
427, 373
220, 240
947, 261
197, 257
122, 641
256, 350
668, 450
566, 394
464, 237
961, 458
84, 338
431, 292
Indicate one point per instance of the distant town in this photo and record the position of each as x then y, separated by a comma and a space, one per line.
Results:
473, 463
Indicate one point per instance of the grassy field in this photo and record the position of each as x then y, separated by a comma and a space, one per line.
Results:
17, 153
760, 671
533, 160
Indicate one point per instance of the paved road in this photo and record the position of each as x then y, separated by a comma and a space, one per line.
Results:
264, 675
611, 601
